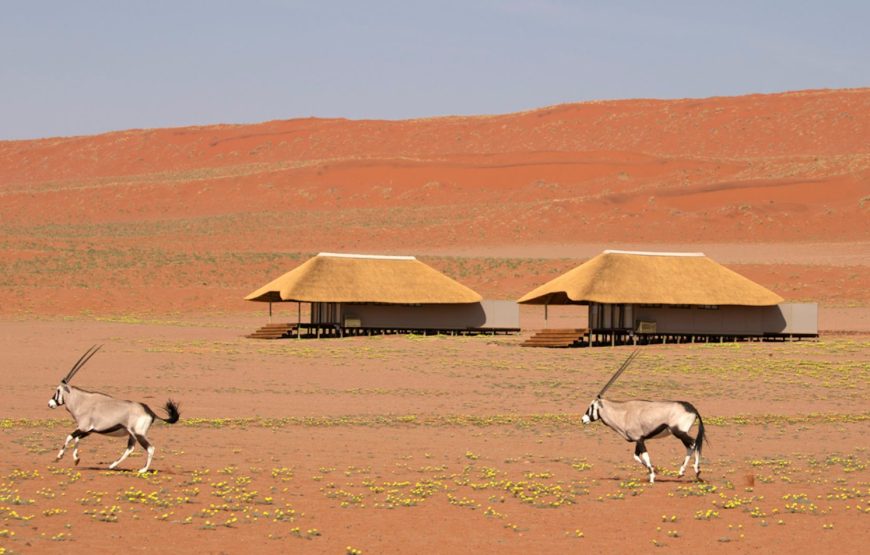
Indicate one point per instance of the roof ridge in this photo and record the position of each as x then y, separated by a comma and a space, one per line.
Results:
370, 256
654, 253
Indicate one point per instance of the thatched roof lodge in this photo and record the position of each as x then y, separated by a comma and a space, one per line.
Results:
353, 292
686, 295
652, 278
365, 278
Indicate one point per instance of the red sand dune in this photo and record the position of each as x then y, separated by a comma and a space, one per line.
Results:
785, 168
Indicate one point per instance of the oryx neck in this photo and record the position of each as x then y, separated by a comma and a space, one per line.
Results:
73, 400
609, 411
613, 405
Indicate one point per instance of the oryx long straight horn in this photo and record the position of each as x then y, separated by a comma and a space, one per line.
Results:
81, 362
102, 414
619, 372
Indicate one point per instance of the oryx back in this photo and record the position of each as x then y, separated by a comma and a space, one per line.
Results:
100, 413
653, 419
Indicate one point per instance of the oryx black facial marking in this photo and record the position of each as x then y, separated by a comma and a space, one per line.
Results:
638, 421
592, 411
102, 414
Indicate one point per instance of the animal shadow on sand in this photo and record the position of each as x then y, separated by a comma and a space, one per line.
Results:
125, 470
659, 479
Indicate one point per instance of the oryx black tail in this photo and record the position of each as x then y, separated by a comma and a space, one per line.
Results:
699, 441
702, 436
171, 409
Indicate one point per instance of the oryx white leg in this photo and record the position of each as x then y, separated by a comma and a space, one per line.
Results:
75, 435
641, 456
685, 463
148, 463
63, 449
131, 443
648, 464
76, 450
697, 464
689, 443
143, 441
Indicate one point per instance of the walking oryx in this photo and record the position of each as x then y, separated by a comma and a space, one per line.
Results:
638, 421
96, 412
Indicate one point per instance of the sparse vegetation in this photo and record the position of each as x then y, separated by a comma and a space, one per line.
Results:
477, 429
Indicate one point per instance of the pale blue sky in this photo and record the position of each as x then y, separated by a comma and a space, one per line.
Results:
72, 67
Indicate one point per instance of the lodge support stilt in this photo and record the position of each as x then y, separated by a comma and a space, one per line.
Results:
299, 320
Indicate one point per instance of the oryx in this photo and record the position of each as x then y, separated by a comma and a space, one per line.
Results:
638, 421
100, 413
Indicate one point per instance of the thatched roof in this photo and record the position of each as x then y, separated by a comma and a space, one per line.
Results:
652, 278
355, 278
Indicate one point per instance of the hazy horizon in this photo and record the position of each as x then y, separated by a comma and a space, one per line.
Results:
94, 66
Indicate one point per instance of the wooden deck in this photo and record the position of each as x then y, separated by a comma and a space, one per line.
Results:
323, 331
274, 331
556, 338
551, 337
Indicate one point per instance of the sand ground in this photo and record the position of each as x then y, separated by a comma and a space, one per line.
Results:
401, 444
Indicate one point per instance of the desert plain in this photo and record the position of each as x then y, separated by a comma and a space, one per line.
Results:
146, 241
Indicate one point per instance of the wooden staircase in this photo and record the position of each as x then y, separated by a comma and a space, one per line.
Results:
274, 331
557, 338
